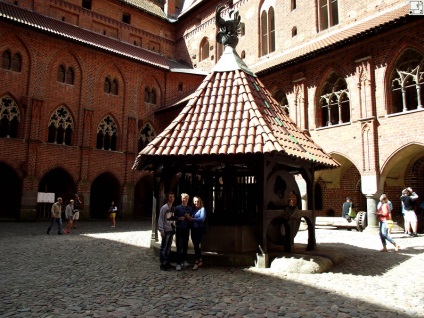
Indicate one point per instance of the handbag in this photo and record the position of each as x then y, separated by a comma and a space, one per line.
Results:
390, 224
352, 212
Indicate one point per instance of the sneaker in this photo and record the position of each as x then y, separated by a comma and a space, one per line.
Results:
186, 264
178, 268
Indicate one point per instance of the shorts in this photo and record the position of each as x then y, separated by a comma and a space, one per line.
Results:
410, 216
76, 215
113, 215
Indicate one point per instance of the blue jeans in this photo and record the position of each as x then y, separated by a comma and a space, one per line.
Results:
196, 238
59, 224
384, 234
182, 237
165, 247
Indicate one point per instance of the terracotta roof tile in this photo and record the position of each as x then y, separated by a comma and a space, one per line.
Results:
69, 31
338, 36
232, 113
147, 6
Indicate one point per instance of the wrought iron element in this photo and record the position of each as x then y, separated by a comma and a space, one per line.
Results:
229, 29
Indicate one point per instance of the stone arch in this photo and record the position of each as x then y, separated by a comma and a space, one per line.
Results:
403, 168
151, 82
59, 182
104, 189
67, 58
341, 182
111, 71
143, 197
10, 192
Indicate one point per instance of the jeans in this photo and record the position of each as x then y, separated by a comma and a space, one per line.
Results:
165, 247
59, 224
384, 234
182, 237
196, 238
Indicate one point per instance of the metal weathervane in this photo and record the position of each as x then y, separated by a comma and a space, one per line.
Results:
229, 29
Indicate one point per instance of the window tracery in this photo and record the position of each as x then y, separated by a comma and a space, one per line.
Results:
406, 81
334, 101
9, 117
61, 126
147, 134
107, 134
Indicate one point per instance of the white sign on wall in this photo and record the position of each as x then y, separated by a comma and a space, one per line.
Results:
45, 197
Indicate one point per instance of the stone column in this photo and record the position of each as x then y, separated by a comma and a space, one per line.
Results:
372, 221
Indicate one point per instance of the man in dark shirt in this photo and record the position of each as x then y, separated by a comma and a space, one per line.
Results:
182, 214
345, 209
408, 199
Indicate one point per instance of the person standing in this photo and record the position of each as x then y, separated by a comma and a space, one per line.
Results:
197, 230
112, 213
346, 207
182, 214
77, 206
56, 216
408, 199
383, 195
69, 214
166, 226
383, 215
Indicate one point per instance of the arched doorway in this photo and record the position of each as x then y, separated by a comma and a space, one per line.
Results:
104, 189
10, 193
59, 182
143, 198
335, 185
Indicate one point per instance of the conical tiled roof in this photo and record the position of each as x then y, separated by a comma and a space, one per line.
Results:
232, 113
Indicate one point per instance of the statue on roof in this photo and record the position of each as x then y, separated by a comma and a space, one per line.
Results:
229, 29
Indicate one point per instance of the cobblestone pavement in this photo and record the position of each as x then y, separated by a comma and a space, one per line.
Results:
98, 271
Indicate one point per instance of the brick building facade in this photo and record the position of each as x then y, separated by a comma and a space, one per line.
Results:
349, 72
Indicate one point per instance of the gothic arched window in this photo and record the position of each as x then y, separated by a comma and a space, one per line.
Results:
9, 117
16, 62
267, 31
147, 134
334, 105
114, 87
61, 74
107, 85
61, 127
70, 76
204, 49
6, 60
107, 132
147, 94
406, 80
153, 96
328, 14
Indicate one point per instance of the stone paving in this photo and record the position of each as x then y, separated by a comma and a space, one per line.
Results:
98, 271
